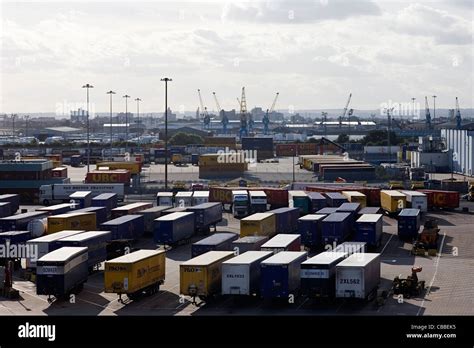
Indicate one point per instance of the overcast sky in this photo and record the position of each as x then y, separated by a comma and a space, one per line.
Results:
313, 52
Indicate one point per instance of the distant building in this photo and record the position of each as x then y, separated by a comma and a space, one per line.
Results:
123, 117
79, 116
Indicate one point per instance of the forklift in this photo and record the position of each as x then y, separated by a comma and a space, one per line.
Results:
427, 240
411, 286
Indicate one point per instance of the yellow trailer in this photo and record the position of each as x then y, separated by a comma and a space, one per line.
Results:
201, 276
132, 167
259, 224
71, 221
356, 197
392, 201
136, 274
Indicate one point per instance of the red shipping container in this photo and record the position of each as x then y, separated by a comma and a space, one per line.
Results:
442, 199
108, 176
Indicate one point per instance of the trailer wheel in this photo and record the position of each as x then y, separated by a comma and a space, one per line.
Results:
45, 202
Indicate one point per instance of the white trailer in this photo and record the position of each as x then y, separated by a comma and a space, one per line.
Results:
241, 274
416, 200
164, 198
358, 276
200, 197
183, 199
258, 201
61, 192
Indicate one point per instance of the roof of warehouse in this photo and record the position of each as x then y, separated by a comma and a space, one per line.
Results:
135, 256
64, 129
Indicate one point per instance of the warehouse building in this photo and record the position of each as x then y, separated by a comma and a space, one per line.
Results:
461, 143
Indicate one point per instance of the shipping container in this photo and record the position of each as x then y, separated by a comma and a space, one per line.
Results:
81, 199
164, 198
183, 199
45, 244
20, 222
283, 242
317, 201
259, 224
416, 200
206, 215
71, 221
13, 238
369, 210
150, 215
137, 273
326, 211
13, 199
442, 199
392, 201
119, 176
100, 213
200, 197
241, 274
257, 143
310, 230
132, 208
358, 276
5, 209
356, 197
335, 228
202, 276
280, 274
216, 242
369, 229
286, 219
408, 224
174, 228
351, 208
351, 248
318, 274
132, 167
249, 243
335, 199
58, 209
300, 200
107, 200
128, 227
62, 272
94, 241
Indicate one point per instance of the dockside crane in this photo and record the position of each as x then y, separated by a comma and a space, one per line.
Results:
224, 118
458, 115
266, 118
206, 119
243, 115
345, 110
427, 114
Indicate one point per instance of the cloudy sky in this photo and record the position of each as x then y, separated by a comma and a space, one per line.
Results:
313, 52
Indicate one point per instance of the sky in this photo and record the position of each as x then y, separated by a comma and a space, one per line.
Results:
313, 52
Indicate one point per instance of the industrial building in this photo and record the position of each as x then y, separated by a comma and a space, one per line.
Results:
460, 142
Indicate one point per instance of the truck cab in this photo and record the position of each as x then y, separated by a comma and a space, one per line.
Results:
240, 203
258, 201
45, 194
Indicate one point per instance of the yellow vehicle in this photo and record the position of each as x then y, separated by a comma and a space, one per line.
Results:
177, 159
392, 201
136, 274
132, 167
356, 197
201, 276
71, 221
259, 224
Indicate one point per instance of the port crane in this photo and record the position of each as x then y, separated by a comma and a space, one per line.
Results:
243, 115
458, 115
204, 114
345, 110
266, 118
427, 114
220, 111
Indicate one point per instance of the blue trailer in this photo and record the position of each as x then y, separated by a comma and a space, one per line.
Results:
326, 211
309, 227
206, 215
248, 243
351, 208
100, 213
128, 227
107, 200
13, 199
408, 224
216, 242
335, 199
195, 159
174, 228
280, 274
95, 241
82, 199
62, 272
369, 210
57, 209
336, 228
20, 222
369, 229
286, 219
14, 237
5, 209
150, 215
317, 201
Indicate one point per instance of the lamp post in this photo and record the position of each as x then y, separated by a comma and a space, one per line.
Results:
87, 87
111, 134
138, 100
13, 126
434, 108
126, 96
413, 100
166, 80
26, 125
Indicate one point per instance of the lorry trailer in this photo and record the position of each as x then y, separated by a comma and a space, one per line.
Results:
175, 228
132, 208
61, 192
206, 215
335, 228
408, 224
369, 228
259, 224
249, 243
217, 241
283, 242
107, 200
310, 230
286, 219
20, 222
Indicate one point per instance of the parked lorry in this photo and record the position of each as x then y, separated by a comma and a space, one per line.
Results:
150, 215
132, 208
206, 215
135, 274
81, 199
358, 276
164, 198
392, 201
439, 199
356, 197
286, 219
258, 201
249, 243
100, 213
240, 203
408, 224
280, 274
283, 242
351, 208
173, 229
318, 274
416, 200
259, 224
124, 231
218, 241
62, 272
317, 201
335, 228
61, 192
369, 228
335, 199
57, 209
300, 200
107, 200
241, 274
310, 230
202, 276
20, 222
71, 221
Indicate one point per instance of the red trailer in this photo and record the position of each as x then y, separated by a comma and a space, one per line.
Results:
442, 199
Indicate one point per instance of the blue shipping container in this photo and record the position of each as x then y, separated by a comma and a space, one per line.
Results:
369, 210
20, 222
216, 242
317, 201
309, 227
335, 199
286, 219
206, 215
173, 228
326, 211
107, 200
100, 213
125, 227
351, 208
336, 228
369, 229
15, 237
408, 224
82, 199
